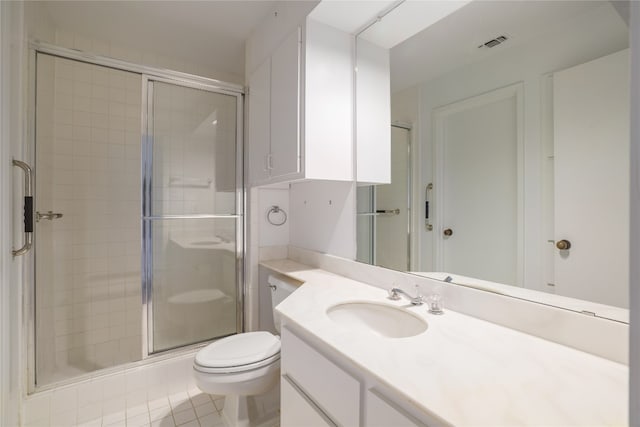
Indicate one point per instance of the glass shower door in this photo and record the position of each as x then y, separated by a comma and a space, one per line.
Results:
192, 215
86, 298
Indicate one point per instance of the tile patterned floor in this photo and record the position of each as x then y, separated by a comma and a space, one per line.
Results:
187, 409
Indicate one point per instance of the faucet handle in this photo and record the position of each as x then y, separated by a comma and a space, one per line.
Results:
393, 294
435, 304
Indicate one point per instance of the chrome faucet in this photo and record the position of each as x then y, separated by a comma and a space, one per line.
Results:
394, 294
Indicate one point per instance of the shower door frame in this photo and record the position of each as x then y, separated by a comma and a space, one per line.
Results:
29, 153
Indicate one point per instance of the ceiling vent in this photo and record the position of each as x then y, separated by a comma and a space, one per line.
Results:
493, 42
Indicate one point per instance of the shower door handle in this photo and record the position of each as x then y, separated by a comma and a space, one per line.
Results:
48, 215
28, 208
427, 218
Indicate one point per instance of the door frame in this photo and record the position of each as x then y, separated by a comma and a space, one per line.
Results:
439, 115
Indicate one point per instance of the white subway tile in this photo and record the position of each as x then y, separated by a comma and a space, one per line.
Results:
65, 418
89, 412
138, 420
90, 392
137, 410
114, 418
37, 408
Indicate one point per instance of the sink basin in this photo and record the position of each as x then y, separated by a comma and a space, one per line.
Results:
379, 319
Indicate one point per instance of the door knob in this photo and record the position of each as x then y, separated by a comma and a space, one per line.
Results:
448, 232
563, 245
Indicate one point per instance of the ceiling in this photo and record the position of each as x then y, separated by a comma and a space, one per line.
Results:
207, 33
453, 41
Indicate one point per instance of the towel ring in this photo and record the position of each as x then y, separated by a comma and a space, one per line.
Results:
276, 210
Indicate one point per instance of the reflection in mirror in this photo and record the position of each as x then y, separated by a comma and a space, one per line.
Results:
510, 154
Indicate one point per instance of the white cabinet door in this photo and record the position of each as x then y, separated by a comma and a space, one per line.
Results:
285, 107
328, 103
259, 123
382, 413
298, 410
591, 174
322, 381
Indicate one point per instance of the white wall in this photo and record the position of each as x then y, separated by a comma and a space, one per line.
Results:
39, 24
526, 63
270, 234
323, 217
11, 78
634, 399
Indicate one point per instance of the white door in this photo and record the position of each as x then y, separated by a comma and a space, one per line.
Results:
591, 173
477, 188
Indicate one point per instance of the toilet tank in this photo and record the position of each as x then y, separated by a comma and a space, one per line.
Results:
280, 289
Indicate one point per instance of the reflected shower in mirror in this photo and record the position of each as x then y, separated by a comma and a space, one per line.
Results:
509, 154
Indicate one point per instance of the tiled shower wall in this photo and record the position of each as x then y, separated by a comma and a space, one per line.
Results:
88, 262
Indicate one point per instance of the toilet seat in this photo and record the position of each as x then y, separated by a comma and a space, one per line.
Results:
237, 353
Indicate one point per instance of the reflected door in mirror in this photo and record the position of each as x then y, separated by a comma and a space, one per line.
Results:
591, 179
477, 168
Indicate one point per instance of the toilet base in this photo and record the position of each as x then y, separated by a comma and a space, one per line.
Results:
236, 411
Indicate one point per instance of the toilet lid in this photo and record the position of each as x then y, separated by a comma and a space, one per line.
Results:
238, 350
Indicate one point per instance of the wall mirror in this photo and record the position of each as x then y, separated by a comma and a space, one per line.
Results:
509, 136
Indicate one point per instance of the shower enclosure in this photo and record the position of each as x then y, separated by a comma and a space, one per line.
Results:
383, 226
138, 213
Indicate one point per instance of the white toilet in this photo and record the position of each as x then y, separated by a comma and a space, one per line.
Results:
242, 365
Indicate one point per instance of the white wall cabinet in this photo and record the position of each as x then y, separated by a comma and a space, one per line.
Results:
301, 109
329, 393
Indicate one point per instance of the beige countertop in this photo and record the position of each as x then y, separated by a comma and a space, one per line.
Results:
464, 370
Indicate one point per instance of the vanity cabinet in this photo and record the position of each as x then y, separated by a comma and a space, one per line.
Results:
318, 379
301, 410
301, 109
322, 391
382, 412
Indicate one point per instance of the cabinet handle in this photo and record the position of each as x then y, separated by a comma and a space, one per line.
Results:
310, 401
270, 162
